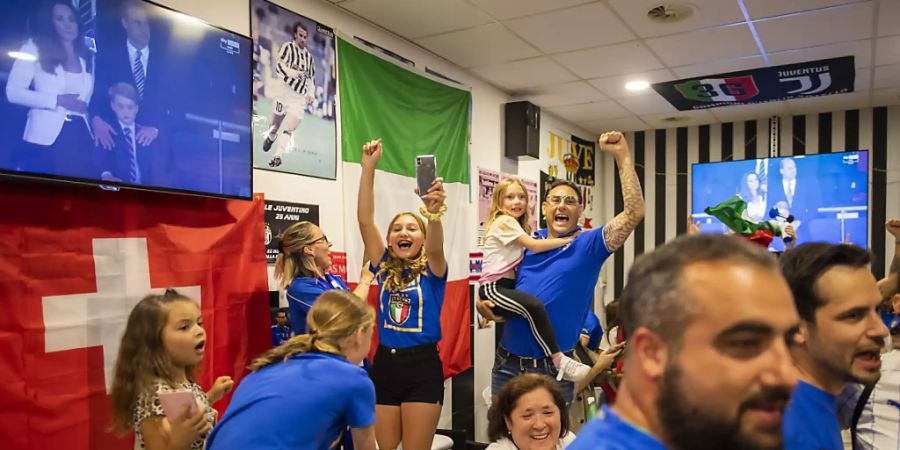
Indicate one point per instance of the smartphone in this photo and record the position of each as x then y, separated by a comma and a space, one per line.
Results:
173, 402
426, 171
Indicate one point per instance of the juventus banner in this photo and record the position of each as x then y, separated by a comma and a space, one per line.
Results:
808, 79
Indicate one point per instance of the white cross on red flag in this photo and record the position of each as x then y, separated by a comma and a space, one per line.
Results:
74, 261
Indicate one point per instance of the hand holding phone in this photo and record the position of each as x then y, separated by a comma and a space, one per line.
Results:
173, 403
426, 172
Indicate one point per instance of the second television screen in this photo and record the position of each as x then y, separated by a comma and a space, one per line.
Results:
124, 92
827, 194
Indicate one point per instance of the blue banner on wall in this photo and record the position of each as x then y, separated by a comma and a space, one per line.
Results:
769, 84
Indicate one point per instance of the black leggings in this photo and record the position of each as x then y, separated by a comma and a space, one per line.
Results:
514, 303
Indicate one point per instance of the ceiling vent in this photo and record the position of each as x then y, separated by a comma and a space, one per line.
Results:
674, 119
671, 12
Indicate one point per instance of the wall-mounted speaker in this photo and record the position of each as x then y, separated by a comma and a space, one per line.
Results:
523, 130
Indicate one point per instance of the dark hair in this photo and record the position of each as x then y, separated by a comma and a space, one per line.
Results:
558, 183
298, 25
804, 265
128, 5
505, 402
612, 319
655, 298
50, 51
744, 188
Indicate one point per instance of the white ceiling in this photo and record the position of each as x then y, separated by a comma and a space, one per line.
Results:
573, 57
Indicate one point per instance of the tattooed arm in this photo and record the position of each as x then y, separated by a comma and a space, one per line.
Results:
620, 227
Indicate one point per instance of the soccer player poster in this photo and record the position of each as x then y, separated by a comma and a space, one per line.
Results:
294, 85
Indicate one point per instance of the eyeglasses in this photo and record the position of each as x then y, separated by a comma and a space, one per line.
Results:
321, 239
569, 200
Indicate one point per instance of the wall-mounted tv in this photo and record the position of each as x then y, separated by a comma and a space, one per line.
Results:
826, 194
124, 93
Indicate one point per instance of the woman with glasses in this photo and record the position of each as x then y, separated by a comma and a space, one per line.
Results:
301, 268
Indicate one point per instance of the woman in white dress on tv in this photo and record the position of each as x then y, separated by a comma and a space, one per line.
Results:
752, 193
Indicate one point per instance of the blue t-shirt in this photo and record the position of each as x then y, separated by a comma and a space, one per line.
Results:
304, 291
609, 432
564, 280
593, 330
305, 402
810, 420
280, 334
410, 316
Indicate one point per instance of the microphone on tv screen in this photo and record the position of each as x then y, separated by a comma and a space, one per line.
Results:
775, 213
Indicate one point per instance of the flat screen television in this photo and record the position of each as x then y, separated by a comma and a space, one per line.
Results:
124, 93
827, 194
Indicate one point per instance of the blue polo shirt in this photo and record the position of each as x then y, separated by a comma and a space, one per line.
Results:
305, 402
609, 432
810, 420
280, 334
564, 280
593, 330
304, 291
410, 316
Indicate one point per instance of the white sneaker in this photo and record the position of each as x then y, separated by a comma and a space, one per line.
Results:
571, 370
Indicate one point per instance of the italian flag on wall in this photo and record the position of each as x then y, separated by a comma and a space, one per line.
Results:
413, 115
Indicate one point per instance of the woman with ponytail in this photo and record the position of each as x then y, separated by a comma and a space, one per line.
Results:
301, 268
311, 382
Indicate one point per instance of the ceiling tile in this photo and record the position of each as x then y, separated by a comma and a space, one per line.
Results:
884, 97
417, 18
887, 50
721, 66
768, 8
708, 13
480, 46
888, 18
648, 104
527, 73
575, 28
616, 59
846, 23
614, 87
510, 9
863, 80
887, 77
686, 118
561, 94
826, 103
586, 112
861, 50
632, 123
746, 112
705, 45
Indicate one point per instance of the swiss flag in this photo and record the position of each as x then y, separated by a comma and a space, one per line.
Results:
74, 260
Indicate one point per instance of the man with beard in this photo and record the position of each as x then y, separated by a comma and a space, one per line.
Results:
709, 321
840, 337
564, 278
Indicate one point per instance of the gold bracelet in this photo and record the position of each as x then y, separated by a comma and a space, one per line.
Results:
432, 217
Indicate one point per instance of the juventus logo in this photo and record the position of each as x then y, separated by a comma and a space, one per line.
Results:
807, 84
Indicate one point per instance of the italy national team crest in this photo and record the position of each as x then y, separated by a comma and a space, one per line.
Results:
399, 308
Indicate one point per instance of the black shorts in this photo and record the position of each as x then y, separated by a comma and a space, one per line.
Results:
408, 375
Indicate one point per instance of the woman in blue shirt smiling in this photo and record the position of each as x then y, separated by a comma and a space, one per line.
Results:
305, 392
302, 266
412, 274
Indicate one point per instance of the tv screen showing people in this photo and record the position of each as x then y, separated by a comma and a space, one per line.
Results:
124, 93
824, 197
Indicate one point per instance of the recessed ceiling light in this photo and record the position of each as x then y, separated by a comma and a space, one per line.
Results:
638, 85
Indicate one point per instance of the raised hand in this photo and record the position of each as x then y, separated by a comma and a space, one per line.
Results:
693, 228
371, 153
221, 386
435, 197
893, 226
613, 143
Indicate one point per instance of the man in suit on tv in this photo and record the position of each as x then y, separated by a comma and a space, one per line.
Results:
800, 192
127, 161
145, 64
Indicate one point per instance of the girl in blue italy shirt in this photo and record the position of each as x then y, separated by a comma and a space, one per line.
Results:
412, 273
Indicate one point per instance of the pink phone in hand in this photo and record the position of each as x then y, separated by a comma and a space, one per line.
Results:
173, 403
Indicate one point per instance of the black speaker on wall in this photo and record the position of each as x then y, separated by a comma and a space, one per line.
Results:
523, 130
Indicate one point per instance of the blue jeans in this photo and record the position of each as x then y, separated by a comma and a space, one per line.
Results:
507, 366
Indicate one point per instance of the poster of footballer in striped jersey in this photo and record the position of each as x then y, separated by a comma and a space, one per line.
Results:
294, 85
